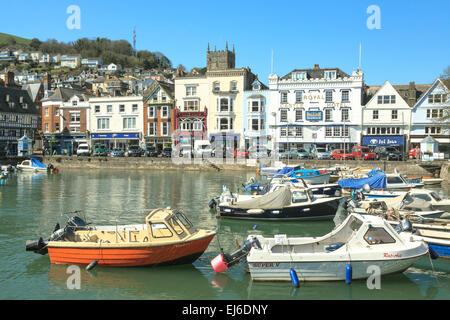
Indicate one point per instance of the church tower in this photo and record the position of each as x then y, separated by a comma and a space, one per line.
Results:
220, 60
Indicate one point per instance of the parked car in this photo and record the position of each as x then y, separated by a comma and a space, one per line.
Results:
339, 154
414, 153
116, 153
134, 151
364, 153
151, 151
83, 150
99, 150
388, 153
240, 153
167, 152
322, 153
303, 154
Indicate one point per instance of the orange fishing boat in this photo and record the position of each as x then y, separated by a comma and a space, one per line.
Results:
167, 237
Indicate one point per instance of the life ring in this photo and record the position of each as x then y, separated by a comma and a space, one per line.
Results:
145, 239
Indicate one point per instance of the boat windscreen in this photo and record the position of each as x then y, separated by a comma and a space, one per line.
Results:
435, 196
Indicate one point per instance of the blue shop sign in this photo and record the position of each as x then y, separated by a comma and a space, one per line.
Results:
383, 141
314, 115
114, 135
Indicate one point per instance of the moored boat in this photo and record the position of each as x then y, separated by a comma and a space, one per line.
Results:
358, 243
167, 237
285, 203
32, 165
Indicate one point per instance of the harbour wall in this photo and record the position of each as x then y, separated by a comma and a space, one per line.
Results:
410, 167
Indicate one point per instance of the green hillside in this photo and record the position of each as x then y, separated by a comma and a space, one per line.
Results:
5, 38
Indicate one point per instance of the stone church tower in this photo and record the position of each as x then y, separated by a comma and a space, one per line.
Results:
220, 60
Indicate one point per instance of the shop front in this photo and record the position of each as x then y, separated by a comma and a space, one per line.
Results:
385, 141
116, 140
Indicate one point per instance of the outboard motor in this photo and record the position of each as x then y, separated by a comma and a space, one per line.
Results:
213, 203
404, 225
223, 261
59, 234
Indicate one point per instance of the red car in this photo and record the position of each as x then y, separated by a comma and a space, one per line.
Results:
339, 154
363, 153
240, 153
414, 153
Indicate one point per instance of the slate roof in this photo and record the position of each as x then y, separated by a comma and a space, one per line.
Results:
14, 96
168, 88
64, 94
317, 73
403, 91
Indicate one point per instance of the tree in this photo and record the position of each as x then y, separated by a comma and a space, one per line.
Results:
35, 44
446, 74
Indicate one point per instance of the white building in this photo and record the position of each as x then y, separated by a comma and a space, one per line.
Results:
386, 117
319, 106
117, 121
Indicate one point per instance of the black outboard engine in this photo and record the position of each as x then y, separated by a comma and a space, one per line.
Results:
213, 203
59, 234
223, 261
404, 225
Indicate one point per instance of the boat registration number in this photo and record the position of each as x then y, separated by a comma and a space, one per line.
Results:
266, 264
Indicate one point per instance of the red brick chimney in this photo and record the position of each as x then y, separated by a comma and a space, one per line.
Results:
9, 79
316, 66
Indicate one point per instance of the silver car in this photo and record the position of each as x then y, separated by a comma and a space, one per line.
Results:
322, 153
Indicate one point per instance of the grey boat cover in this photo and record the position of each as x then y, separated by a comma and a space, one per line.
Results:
277, 199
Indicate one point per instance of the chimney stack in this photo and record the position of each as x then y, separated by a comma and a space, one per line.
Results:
412, 93
9, 79
316, 66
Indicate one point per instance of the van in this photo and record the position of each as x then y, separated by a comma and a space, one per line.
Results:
202, 148
99, 150
83, 150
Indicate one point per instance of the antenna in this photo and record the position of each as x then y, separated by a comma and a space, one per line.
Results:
134, 41
359, 67
271, 63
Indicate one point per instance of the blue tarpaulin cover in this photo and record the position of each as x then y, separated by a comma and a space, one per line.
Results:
36, 163
287, 171
377, 181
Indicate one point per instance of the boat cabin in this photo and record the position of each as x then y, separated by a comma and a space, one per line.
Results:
161, 225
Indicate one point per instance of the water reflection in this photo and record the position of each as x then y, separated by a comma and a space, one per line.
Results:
31, 204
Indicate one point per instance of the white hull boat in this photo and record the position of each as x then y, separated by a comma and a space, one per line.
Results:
365, 243
32, 165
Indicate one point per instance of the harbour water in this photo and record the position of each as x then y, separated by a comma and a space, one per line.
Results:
31, 205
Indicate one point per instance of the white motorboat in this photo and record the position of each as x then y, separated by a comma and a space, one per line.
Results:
431, 181
431, 196
32, 165
404, 204
362, 242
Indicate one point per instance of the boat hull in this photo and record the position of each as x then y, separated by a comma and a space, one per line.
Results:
325, 270
320, 211
175, 253
319, 179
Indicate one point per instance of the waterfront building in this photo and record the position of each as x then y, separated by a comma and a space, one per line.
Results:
387, 115
219, 90
116, 121
65, 119
159, 117
18, 115
430, 116
256, 105
6, 56
191, 112
319, 106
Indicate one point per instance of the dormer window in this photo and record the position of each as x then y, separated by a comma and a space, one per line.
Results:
257, 86
75, 102
7, 98
20, 99
330, 75
299, 75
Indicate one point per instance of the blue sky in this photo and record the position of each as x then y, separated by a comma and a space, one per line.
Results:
412, 44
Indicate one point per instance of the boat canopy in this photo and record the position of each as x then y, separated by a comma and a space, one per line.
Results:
286, 171
36, 163
273, 200
377, 181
